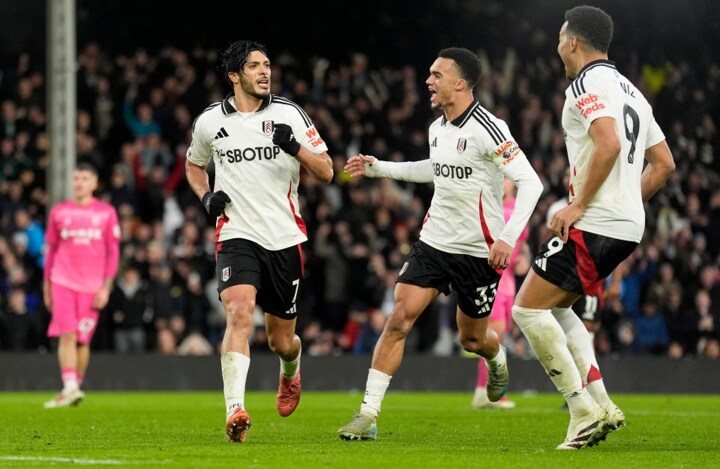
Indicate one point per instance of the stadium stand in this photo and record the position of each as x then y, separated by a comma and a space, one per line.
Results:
135, 112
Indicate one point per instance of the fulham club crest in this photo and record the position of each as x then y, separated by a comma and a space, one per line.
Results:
462, 143
268, 127
226, 274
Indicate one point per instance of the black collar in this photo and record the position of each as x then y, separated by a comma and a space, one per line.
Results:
596, 62
462, 117
228, 108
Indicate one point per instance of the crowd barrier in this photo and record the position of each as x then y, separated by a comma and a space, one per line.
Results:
35, 372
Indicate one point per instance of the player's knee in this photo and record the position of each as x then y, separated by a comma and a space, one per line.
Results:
400, 321
469, 344
472, 343
238, 314
280, 345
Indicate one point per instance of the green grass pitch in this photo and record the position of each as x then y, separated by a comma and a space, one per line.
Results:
416, 430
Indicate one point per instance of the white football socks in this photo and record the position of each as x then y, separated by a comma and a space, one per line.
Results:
235, 368
548, 341
290, 369
581, 348
498, 360
580, 403
377, 384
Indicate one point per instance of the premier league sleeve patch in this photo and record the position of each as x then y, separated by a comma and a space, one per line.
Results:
506, 152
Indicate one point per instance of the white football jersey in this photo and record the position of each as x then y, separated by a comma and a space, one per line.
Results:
600, 90
259, 177
469, 157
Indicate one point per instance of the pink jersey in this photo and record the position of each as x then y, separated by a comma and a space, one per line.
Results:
83, 245
507, 281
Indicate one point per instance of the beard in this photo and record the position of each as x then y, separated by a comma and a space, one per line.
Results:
249, 88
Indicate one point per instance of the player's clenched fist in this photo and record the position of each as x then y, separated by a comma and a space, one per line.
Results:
214, 203
284, 138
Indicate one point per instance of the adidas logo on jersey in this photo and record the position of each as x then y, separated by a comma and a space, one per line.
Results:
542, 263
434, 143
221, 133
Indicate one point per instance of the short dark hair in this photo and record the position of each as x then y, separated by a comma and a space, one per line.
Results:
85, 166
466, 61
592, 24
236, 55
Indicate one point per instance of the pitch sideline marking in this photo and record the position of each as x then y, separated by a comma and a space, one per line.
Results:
80, 461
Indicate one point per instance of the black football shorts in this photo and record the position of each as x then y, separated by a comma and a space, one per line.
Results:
473, 279
581, 264
275, 274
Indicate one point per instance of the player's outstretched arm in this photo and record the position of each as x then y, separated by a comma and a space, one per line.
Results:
660, 166
410, 171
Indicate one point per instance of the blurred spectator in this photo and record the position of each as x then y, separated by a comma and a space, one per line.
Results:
681, 324
18, 328
139, 119
708, 323
639, 271
120, 191
34, 233
127, 306
168, 302
197, 305
370, 332
331, 245
708, 279
665, 285
195, 344
155, 153
651, 334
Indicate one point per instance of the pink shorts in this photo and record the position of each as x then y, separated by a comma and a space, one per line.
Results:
502, 309
72, 312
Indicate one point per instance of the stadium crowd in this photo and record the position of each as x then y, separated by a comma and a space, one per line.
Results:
135, 113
